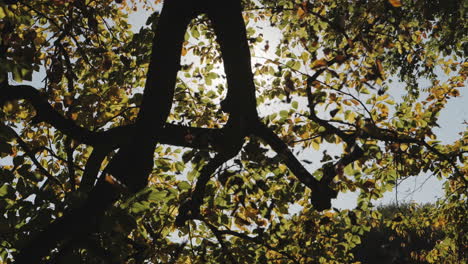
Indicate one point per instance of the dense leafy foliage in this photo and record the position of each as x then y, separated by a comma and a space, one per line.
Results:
325, 84
411, 233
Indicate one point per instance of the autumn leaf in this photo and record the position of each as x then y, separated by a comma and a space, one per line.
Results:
395, 3
300, 13
379, 66
74, 116
340, 58
319, 63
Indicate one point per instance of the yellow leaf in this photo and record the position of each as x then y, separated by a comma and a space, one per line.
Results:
251, 213
22, 114
351, 117
315, 145
409, 58
347, 102
300, 12
184, 51
403, 146
282, 167
8, 107
29, 134
329, 214
395, 3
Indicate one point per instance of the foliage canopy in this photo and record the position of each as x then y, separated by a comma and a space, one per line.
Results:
112, 159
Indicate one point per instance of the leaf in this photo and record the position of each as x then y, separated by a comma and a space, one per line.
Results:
140, 207
315, 144
195, 33
157, 195
283, 114
74, 116
300, 13
296, 66
379, 66
2, 13
319, 63
395, 3
294, 104
192, 174
340, 58
6, 191
251, 213
184, 185
17, 74
403, 147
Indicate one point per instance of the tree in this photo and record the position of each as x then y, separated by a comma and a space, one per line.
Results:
99, 170
401, 238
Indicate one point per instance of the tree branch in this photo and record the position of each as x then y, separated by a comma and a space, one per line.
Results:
219, 237
45, 112
190, 209
256, 240
31, 155
92, 168
113, 138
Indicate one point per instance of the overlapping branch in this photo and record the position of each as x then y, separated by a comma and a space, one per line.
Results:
131, 165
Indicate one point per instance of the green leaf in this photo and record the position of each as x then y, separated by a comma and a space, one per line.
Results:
157, 195
195, 33
139, 207
2, 13
284, 114
6, 191
184, 185
191, 175
295, 104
